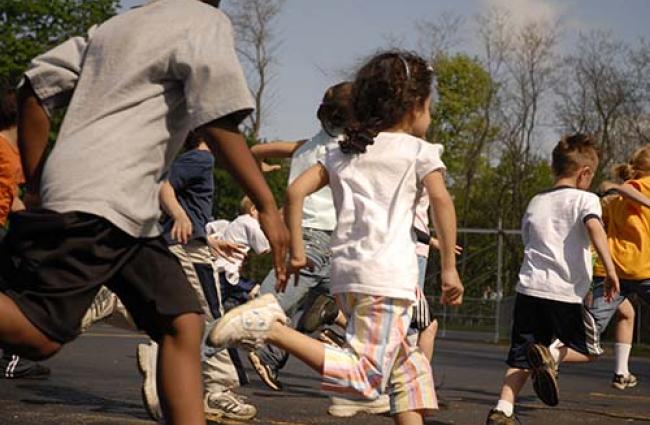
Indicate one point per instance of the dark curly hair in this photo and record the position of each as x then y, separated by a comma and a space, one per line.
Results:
572, 152
385, 90
334, 110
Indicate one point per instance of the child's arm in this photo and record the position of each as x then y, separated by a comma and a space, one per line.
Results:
444, 221
280, 149
628, 191
312, 180
599, 240
182, 228
33, 132
228, 143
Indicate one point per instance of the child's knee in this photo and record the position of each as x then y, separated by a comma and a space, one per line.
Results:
42, 350
189, 324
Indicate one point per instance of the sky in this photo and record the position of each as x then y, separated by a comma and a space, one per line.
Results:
322, 40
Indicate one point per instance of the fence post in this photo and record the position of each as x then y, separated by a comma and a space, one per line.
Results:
497, 305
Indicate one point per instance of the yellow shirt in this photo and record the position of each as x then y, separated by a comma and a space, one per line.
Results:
628, 234
11, 175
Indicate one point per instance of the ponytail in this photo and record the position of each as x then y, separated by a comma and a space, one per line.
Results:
622, 172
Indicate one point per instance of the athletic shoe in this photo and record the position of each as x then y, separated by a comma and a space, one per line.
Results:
544, 372
497, 417
344, 408
227, 405
102, 307
247, 324
147, 359
322, 311
16, 367
622, 382
268, 375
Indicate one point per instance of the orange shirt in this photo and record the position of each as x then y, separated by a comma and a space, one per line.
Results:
628, 234
11, 175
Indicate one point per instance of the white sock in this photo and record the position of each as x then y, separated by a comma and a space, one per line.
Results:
505, 407
554, 349
622, 356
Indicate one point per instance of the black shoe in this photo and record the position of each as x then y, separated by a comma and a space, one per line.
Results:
497, 417
20, 368
323, 311
544, 373
268, 375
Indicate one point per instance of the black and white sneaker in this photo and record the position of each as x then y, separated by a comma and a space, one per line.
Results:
227, 405
268, 375
623, 382
544, 374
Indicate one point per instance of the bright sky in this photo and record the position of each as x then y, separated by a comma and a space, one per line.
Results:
320, 39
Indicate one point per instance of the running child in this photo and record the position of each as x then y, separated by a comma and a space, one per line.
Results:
133, 94
558, 229
375, 177
628, 235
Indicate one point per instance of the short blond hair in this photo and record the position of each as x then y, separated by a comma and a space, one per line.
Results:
246, 205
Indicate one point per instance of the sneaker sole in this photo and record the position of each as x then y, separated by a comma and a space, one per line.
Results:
349, 411
261, 371
544, 381
225, 321
148, 390
624, 386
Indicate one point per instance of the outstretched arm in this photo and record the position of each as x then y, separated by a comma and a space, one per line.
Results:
312, 180
33, 132
628, 191
444, 221
225, 140
280, 149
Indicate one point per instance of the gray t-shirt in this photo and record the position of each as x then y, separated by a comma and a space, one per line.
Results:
139, 82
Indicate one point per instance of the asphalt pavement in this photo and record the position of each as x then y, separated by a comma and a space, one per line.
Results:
95, 382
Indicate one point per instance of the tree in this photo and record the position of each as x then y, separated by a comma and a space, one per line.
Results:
257, 46
31, 27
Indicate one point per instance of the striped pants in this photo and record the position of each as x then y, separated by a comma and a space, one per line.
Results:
378, 357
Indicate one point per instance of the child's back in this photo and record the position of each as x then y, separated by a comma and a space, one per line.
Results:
557, 257
375, 195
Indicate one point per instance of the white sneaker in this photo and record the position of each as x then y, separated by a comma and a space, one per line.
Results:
343, 407
227, 405
147, 359
103, 306
247, 324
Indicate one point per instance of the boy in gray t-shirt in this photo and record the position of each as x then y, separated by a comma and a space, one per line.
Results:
134, 88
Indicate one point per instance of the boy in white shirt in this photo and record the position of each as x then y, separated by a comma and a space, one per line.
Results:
558, 228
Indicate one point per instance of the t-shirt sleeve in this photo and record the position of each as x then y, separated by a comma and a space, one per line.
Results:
216, 228
257, 239
590, 208
428, 159
54, 74
213, 79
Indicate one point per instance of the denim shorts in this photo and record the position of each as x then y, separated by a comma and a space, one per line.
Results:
603, 311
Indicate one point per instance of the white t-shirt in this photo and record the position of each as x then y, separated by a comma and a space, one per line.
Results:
375, 195
557, 257
318, 209
243, 230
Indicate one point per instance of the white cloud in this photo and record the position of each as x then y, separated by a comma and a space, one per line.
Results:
524, 11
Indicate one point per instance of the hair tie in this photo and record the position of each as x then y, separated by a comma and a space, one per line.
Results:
407, 69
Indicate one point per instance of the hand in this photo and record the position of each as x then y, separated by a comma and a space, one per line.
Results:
434, 243
452, 288
32, 200
268, 168
229, 251
182, 228
612, 287
278, 235
255, 292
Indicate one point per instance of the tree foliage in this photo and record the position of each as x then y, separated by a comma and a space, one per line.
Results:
31, 27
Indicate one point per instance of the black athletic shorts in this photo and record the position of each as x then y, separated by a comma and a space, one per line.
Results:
541, 321
54, 264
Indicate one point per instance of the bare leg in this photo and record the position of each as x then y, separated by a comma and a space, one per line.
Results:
625, 323
20, 336
427, 339
179, 372
307, 349
568, 355
513, 383
408, 418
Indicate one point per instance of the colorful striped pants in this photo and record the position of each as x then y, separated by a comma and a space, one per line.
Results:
378, 357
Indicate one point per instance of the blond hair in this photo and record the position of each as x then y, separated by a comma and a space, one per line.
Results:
638, 166
246, 205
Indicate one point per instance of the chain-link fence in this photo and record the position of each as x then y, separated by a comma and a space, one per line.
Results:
489, 268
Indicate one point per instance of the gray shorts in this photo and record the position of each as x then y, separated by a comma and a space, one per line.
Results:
604, 311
